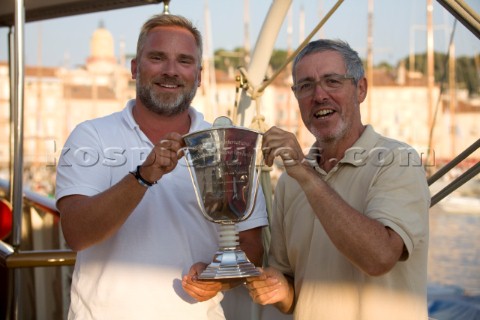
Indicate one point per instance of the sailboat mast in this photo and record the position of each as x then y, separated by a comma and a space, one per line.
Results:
430, 78
246, 30
430, 62
370, 58
209, 85
453, 101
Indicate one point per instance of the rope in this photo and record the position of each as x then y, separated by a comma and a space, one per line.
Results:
258, 121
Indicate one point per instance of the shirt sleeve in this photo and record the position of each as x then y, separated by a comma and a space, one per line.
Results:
258, 218
399, 198
81, 167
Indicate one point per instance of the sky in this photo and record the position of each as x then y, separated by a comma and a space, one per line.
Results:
399, 28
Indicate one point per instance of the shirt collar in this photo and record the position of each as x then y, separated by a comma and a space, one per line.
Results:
195, 116
357, 154
127, 114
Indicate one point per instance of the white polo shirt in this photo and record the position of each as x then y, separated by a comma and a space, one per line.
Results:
136, 273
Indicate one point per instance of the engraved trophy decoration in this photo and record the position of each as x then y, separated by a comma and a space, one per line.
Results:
224, 166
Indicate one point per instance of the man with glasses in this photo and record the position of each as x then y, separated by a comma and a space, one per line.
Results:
350, 222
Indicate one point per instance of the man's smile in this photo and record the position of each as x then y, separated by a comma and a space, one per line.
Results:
323, 113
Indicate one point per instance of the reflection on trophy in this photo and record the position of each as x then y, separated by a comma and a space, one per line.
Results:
224, 166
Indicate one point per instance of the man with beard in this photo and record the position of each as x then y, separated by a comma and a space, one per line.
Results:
126, 199
350, 219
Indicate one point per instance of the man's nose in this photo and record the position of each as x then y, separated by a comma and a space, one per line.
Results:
318, 90
170, 67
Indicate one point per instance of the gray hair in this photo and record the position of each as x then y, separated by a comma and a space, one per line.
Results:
167, 20
352, 61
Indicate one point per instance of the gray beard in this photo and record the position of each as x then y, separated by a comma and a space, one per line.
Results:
334, 136
165, 104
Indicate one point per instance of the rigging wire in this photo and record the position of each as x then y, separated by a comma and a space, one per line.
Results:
469, 174
300, 47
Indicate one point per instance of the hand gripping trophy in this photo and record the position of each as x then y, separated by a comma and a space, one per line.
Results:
224, 164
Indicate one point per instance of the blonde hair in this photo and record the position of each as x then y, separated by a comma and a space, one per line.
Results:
167, 20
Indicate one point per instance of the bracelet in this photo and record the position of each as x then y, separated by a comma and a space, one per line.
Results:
140, 179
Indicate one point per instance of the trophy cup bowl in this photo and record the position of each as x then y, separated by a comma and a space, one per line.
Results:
224, 166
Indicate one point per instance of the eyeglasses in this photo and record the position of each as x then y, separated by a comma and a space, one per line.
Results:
328, 83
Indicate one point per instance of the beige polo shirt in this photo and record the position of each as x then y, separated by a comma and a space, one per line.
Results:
383, 179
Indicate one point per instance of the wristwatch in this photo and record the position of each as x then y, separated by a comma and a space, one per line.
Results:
140, 179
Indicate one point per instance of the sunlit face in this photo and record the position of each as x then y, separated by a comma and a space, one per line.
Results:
167, 70
334, 115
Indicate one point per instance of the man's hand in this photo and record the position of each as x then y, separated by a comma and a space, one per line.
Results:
272, 287
163, 158
280, 143
200, 290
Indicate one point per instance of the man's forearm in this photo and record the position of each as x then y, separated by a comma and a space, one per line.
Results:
89, 220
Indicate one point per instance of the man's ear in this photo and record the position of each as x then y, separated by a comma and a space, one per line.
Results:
200, 76
362, 88
133, 68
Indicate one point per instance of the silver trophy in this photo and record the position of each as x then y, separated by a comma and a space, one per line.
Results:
224, 164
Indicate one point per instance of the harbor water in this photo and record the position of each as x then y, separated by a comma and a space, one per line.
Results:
454, 263
454, 253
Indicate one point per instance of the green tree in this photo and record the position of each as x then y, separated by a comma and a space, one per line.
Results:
467, 73
279, 57
225, 59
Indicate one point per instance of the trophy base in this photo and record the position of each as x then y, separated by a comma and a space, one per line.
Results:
229, 264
